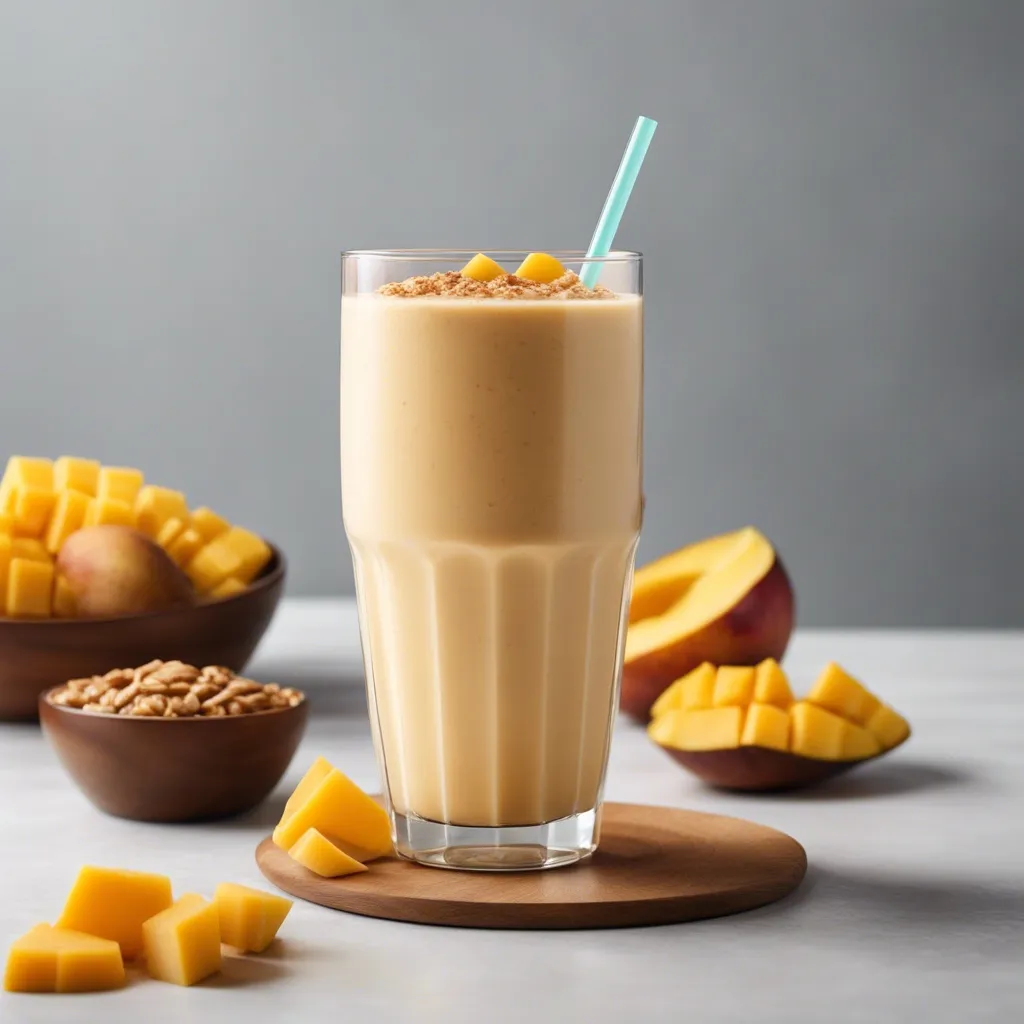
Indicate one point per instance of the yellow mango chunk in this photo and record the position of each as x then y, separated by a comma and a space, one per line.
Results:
68, 516
5, 569
315, 774
113, 904
48, 959
249, 918
482, 268
182, 943
662, 729
766, 726
709, 729
184, 547
692, 691
339, 809
30, 548
29, 587
212, 565
71, 474
771, 685
119, 483
840, 693
815, 732
858, 743
23, 471
7, 499
64, 604
33, 507
734, 686
541, 268
170, 532
318, 854
888, 727
253, 552
208, 524
227, 588
155, 505
108, 512
6, 525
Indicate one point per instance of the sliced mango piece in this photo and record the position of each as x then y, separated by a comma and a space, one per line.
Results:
30, 548
694, 690
249, 918
482, 268
734, 686
228, 588
169, 532
33, 507
48, 959
858, 743
888, 726
771, 685
64, 604
253, 552
182, 943
815, 732
339, 809
71, 474
766, 726
315, 774
212, 565
5, 569
108, 512
119, 483
184, 547
29, 588
68, 516
840, 693
23, 471
541, 268
315, 852
208, 524
662, 729
113, 904
155, 505
709, 729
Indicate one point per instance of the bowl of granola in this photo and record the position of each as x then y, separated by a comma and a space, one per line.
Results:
171, 742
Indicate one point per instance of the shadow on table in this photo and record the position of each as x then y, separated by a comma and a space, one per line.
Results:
889, 779
245, 972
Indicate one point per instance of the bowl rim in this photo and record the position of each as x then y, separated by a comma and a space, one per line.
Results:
273, 573
44, 700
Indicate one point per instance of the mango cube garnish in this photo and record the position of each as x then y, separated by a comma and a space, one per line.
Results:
540, 268
482, 268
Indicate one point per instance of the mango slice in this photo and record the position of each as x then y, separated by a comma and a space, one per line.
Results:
858, 743
734, 686
155, 505
71, 474
109, 512
540, 268
816, 732
48, 959
208, 524
771, 685
119, 483
29, 583
482, 268
840, 693
249, 918
182, 943
766, 726
318, 854
709, 729
68, 516
888, 727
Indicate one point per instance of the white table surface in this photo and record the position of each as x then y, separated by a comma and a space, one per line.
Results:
913, 908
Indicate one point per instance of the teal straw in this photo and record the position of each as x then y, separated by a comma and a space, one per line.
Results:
618, 196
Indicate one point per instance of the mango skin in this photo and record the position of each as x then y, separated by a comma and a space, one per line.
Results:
115, 570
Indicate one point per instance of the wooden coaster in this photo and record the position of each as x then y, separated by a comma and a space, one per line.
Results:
655, 865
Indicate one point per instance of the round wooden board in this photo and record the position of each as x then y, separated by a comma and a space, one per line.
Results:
655, 865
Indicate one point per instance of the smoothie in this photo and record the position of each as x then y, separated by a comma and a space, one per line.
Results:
491, 476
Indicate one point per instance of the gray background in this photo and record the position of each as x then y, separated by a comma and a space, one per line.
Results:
831, 212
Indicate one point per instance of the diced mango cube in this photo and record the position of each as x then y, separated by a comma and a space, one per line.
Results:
113, 904
482, 268
815, 732
5, 569
249, 918
155, 505
48, 959
541, 268
339, 809
8, 498
170, 532
734, 686
227, 588
23, 471
253, 551
30, 548
65, 605
208, 524
184, 547
71, 474
29, 588
694, 690
840, 693
771, 685
766, 726
68, 516
888, 727
33, 507
315, 774
709, 728
119, 483
318, 854
107, 512
212, 565
662, 729
7, 525
858, 743
182, 943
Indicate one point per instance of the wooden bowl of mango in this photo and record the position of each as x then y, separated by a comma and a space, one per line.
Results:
100, 569
741, 728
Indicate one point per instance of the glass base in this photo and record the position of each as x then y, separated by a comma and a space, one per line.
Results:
554, 844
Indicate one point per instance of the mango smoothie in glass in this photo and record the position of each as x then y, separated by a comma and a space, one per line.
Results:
491, 442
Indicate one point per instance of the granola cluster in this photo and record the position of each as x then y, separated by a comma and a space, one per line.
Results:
172, 689
454, 284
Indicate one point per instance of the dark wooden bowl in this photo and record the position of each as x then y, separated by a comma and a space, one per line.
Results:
760, 769
174, 769
38, 655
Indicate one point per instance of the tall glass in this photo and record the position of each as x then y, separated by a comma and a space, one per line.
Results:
491, 454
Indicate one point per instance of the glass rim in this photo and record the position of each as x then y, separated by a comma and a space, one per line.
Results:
463, 255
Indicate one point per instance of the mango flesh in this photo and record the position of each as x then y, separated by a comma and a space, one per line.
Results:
114, 570
182, 943
840, 693
315, 852
48, 959
771, 685
766, 726
540, 268
249, 918
482, 268
734, 686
